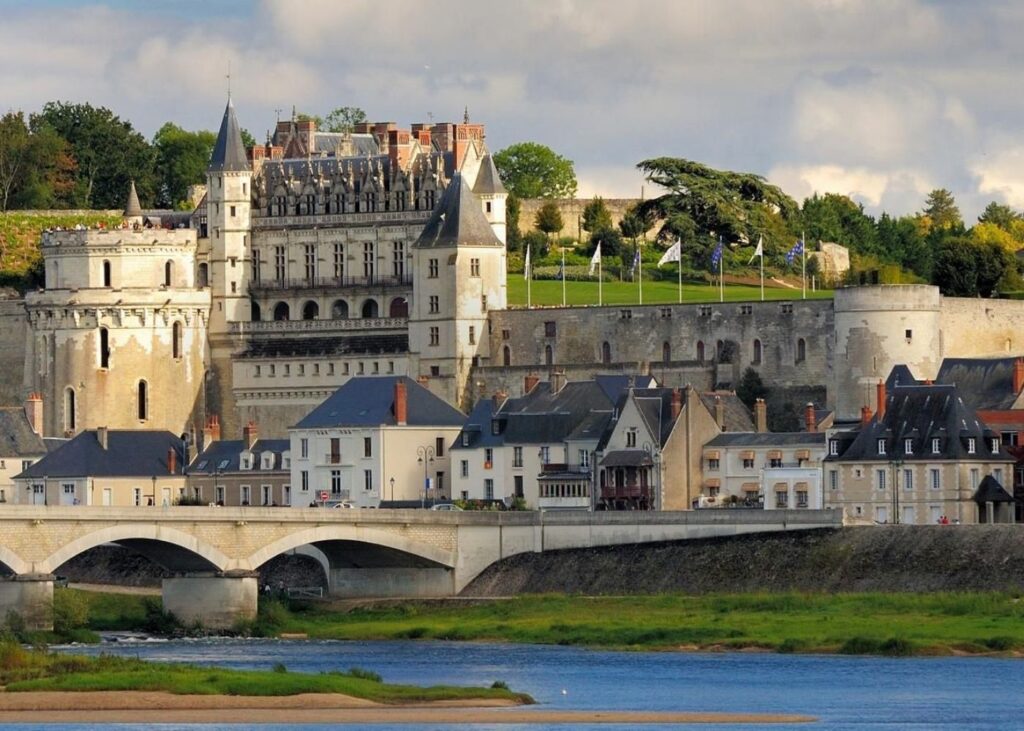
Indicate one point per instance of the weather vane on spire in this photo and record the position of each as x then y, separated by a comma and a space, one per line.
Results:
228, 77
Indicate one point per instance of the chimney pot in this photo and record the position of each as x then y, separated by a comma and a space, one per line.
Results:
810, 418
677, 402
557, 380
172, 461
250, 433
529, 382
401, 403
880, 397
101, 436
865, 415
761, 416
1018, 375
34, 412
719, 413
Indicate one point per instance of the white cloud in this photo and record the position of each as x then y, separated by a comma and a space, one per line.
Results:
1001, 174
875, 188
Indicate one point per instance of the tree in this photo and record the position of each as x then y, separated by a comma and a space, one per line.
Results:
966, 268
108, 152
513, 239
751, 387
181, 161
549, 218
837, 218
633, 225
611, 245
941, 211
999, 215
596, 216
35, 168
900, 240
314, 118
343, 119
248, 140
14, 154
532, 170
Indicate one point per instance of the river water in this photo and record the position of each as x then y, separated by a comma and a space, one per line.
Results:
844, 692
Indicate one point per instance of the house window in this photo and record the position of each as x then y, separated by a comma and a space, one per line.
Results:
606, 352
781, 499
626, 314
909, 335
280, 272
495, 427
106, 273
997, 475
631, 438
935, 446
970, 445
335, 482
136, 496
465, 439
143, 401
549, 329
881, 446
746, 309
369, 260
517, 456
748, 463
367, 447
304, 481
801, 350
176, 340
434, 304
801, 498
545, 453
908, 479
218, 493
435, 336
432, 269
464, 468
775, 462
265, 497
935, 478
472, 335
584, 458
104, 348
713, 464
245, 495
309, 258
995, 446
757, 352
70, 416
474, 267
880, 479
488, 458
908, 446
339, 261
975, 478
398, 260
367, 480
488, 489
833, 479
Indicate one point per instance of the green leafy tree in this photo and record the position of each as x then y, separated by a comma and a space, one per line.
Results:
900, 240
611, 245
35, 168
513, 238
549, 218
837, 218
751, 387
532, 170
108, 153
315, 118
537, 242
999, 215
633, 225
596, 216
343, 119
966, 268
247, 139
941, 211
181, 161
15, 154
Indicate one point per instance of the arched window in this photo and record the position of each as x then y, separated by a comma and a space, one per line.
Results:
203, 276
757, 352
176, 340
399, 307
549, 355
339, 310
310, 310
168, 273
801, 350
281, 311
506, 356
106, 273
70, 417
719, 351
143, 401
255, 312
104, 348
700, 350
606, 352
666, 352
370, 308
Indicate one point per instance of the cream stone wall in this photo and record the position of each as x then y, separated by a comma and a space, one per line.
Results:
101, 491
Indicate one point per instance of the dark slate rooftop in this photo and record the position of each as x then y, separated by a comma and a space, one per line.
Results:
983, 383
369, 401
128, 454
769, 439
457, 220
228, 151
488, 182
225, 456
923, 413
323, 346
991, 491
737, 415
627, 458
16, 436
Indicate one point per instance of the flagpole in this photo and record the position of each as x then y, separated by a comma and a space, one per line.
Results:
721, 271
600, 282
529, 277
563, 276
803, 262
640, 271
679, 267
762, 270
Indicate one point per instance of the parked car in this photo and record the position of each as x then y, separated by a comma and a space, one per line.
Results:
446, 506
345, 504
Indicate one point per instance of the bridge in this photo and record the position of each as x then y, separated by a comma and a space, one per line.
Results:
214, 553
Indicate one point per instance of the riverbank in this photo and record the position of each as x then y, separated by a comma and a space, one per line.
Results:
134, 707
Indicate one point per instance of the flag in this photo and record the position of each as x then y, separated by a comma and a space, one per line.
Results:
716, 255
526, 263
673, 254
759, 251
595, 259
561, 271
797, 250
636, 262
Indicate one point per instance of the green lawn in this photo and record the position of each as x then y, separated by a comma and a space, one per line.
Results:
548, 292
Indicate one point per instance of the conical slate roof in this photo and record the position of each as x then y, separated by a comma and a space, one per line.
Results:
488, 182
457, 220
132, 209
228, 151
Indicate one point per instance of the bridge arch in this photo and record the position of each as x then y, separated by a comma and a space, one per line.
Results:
13, 561
335, 533
140, 536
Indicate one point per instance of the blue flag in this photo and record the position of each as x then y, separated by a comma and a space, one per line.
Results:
797, 250
636, 262
716, 255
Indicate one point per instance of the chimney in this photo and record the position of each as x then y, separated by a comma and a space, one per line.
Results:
810, 418
401, 403
719, 413
499, 398
422, 134
880, 397
211, 432
761, 416
399, 147
557, 380
101, 436
530, 382
34, 412
423, 380
677, 403
1018, 375
250, 433
172, 461
865, 415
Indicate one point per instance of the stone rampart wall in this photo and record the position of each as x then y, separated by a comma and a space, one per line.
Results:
13, 334
572, 213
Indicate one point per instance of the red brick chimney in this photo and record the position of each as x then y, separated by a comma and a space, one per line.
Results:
719, 413
810, 418
399, 148
422, 133
760, 416
1018, 375
34, 412
211, 432
250, 433
499, 398
401, 403
880, 397
172, 461
530, 382
865, 415
677, 403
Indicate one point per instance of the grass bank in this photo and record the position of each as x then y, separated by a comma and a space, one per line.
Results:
35, 670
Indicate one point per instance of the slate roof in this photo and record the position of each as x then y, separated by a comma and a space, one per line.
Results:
990, 491
16, 436
369, 401
923, 413
488, 182
737, 415
225, 456
336, 345
627, 458
769, 439
983, 383
128, 454
228, 151
457, 220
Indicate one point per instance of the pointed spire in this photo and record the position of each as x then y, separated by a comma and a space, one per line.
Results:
488, 182
465, 115
132, 209
228, 151
457, 220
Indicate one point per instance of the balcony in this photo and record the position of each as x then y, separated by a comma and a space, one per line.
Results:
332, 459
563, 468
629, 490
329, 283
320, 326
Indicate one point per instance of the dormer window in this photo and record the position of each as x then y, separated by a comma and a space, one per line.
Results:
495, 426
970, 445
268, 461
935, 446
908, 446
833, 448
465, 439
995, 446
881, 446
245, 461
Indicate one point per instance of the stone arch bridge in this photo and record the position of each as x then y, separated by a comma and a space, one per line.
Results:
214, 552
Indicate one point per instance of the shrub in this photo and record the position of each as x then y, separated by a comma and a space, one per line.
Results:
364, 674
499, 685
70, 611
279, 667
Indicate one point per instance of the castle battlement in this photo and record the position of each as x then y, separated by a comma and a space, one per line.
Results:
118, 238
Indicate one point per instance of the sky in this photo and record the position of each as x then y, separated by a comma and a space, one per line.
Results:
881, 101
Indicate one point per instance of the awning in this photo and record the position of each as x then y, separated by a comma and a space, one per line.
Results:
749, 486
712, 482
748, 454
781, 486
627, 458
712, 454
803, 454
775, 454
800, 486
990, 491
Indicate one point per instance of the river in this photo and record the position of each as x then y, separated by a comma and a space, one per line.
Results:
844, 692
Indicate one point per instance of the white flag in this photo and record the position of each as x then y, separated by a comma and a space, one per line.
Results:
759, 251
526, 265
595, 259
673, 254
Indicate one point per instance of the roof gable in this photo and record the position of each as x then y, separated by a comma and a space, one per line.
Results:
369, 401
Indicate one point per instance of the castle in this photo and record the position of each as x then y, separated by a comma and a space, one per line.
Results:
322, 256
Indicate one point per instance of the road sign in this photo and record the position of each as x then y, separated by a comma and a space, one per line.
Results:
323, 495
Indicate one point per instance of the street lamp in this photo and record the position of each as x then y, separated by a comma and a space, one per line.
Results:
426, 458
392, 481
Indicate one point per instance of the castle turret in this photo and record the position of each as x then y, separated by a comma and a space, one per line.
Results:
132, 209
492, 194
